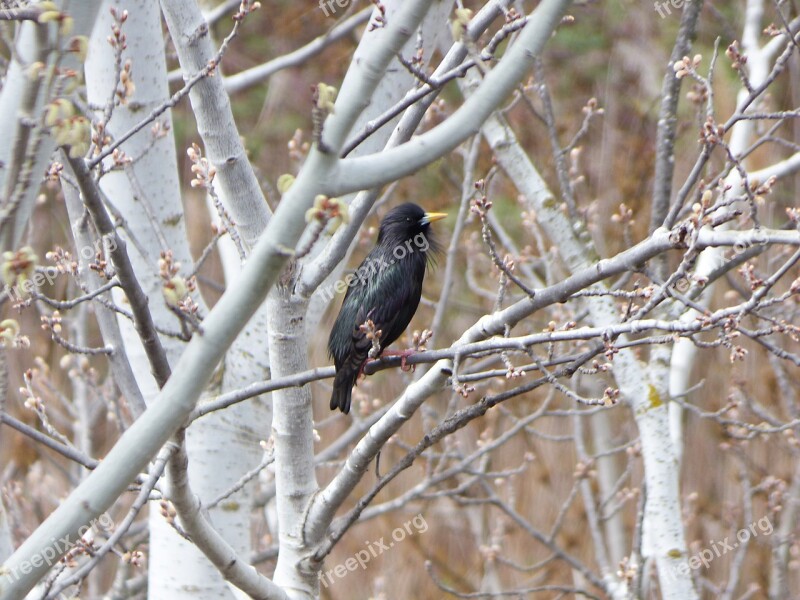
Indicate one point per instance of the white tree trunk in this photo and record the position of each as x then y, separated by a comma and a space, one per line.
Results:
685, 352
27, 149
177, 568
663, 525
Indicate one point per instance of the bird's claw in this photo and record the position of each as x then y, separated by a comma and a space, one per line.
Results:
403, 354
406, 367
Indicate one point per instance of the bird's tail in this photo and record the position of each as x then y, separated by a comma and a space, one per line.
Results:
343, 389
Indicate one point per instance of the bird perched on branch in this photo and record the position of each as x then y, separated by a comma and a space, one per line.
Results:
383, 295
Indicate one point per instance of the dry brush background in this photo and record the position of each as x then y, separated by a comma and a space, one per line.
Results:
609, 63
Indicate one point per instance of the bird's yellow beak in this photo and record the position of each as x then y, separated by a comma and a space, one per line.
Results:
431, 217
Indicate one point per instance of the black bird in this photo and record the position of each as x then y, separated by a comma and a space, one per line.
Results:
385, 289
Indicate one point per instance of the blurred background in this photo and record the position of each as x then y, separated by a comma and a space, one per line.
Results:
615, 52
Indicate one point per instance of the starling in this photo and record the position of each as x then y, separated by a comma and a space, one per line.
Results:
385, 289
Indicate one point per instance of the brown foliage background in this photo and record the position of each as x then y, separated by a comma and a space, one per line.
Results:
616, 52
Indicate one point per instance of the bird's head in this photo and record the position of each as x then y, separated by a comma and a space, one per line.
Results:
409, 222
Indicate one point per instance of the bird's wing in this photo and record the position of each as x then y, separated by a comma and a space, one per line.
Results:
389, 297
384, 290
390, 301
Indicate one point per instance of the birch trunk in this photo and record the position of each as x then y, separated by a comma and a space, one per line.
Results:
27, 148
152, 209
636, 380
